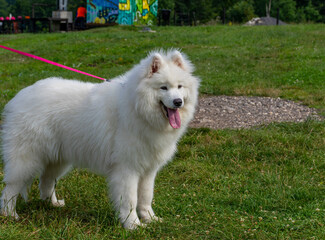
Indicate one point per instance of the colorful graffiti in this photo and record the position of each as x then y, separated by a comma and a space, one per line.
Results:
102, 11
127, 12
138, 12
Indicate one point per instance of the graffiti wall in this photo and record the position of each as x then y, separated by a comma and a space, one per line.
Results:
138, 12
102, 11
128, 12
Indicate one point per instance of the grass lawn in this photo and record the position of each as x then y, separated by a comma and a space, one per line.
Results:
263, 183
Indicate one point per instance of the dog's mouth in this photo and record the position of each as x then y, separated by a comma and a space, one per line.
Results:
172, 115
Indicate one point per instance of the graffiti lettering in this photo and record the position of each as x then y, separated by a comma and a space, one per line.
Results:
102, 11
128, 12
138, 12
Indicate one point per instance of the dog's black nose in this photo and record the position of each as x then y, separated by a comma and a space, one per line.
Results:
178, 102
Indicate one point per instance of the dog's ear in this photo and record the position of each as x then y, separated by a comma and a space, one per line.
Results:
156, 63
181, 61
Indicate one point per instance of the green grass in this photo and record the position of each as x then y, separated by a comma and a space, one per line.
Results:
263, 183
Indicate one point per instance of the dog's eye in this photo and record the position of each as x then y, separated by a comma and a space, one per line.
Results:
180, 86
164, 88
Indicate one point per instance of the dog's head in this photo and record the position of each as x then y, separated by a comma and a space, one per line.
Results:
167, 91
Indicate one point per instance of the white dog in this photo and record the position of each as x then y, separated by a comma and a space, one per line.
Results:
126, 130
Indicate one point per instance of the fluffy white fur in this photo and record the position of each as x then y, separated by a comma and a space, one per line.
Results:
118, 129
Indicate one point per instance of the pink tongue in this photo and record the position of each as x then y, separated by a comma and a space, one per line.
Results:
174, 118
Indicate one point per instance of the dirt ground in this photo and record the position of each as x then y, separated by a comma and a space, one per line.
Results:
219, 112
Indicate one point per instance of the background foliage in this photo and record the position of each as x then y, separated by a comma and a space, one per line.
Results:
205, 10
24, 7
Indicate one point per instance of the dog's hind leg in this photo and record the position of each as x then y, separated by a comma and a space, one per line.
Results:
48, 178
18, 179
9, 198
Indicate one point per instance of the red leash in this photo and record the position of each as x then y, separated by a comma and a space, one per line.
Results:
50, 62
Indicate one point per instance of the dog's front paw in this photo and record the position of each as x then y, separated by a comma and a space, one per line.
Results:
148, 216
150, 219
58, 203
157, 219
132, 225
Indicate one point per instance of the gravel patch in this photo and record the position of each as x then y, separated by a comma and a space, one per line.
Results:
219, 112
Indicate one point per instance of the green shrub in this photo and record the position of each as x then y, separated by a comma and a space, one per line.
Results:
287, 10
312, 14
241, 12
